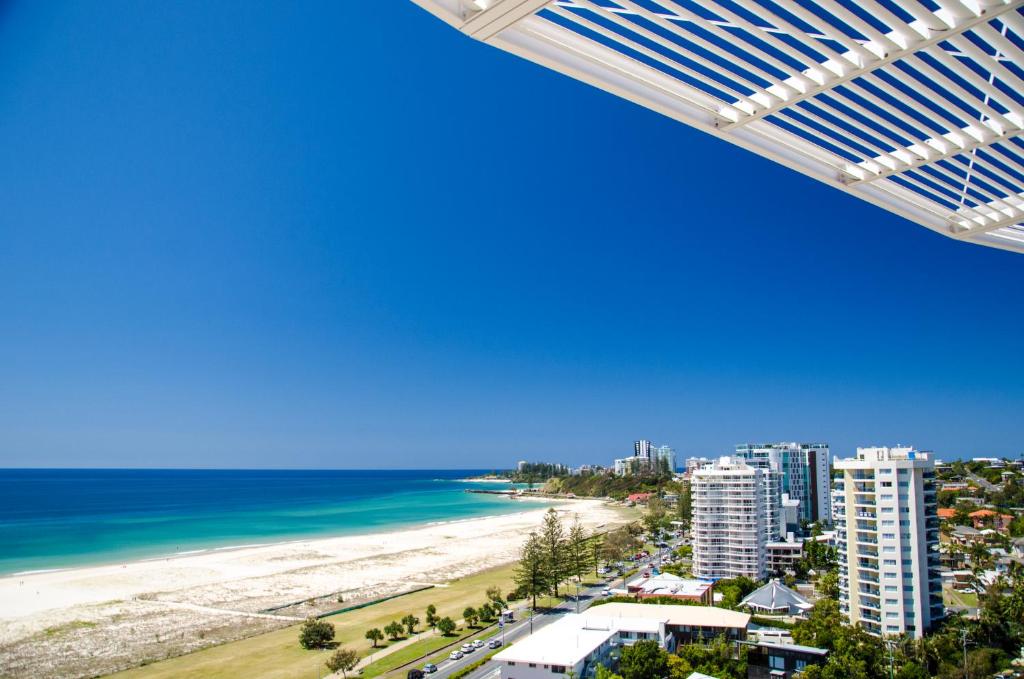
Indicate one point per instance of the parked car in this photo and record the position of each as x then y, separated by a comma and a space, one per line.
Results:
494, 643
468, 648
430, 668
606, 592
478, 643
455, 655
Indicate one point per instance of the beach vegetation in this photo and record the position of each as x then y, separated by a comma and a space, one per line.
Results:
431, 616
316, 634
446, 626
343, 660
410, 621
531, 573
471, 616
394, 630
494, 595
374, 635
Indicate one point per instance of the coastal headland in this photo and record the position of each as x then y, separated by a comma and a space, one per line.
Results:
85, 622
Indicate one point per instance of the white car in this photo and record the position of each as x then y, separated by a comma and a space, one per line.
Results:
455, 655
468, 648
478, 643
606, 592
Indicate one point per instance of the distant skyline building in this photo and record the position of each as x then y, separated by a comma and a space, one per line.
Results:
887, 532
804, 469
666, 453
642, 448
645, 457
730, 523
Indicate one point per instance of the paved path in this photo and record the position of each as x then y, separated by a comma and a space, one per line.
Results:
220, 611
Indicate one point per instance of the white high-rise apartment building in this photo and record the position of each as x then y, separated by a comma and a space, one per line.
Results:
887, 532
805, 473
729, 521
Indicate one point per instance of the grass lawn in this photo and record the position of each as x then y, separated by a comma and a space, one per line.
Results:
277, 654
955, 598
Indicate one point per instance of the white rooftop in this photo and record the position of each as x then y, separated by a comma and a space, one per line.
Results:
692, 616
914, 106
564, 642
669, 584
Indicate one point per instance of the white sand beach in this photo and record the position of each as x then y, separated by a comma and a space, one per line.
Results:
90, 611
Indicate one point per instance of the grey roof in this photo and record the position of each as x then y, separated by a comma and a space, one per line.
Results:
966, 530
774, 596
813, 650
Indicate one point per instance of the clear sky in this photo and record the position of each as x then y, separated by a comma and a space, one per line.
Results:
340, 234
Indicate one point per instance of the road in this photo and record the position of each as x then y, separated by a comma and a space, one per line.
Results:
983, 483
522, 627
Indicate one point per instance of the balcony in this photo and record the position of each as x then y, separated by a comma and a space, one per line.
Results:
867, 615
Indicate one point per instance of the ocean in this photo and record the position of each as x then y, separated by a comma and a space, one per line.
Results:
59, 518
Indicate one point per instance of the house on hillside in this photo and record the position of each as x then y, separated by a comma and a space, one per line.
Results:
986, 517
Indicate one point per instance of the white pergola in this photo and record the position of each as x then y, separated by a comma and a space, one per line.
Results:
913, 105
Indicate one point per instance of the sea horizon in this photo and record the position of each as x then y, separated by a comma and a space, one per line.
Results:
59, 518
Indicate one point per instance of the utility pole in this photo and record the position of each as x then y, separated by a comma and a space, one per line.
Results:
889, 643
963, 638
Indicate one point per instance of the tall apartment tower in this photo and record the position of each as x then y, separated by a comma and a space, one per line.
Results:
729, 523
667, 454
887, 531
804, 470
642, 448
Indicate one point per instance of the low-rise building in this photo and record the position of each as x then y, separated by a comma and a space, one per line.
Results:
775, 598
987, 517
782, 661
783, 555
687, 624
667, 584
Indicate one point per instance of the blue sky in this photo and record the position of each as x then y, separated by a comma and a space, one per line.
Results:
343, 235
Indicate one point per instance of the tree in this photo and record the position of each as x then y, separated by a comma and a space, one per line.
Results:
494, 594
485, 611
470, 615
716, 658
684, 507
343, 660
654, 518
394, 630
316, 634
553, 539
577, 550
643, 660
446, 626
828, 585
374, 635
531, 571
596, 549
410, 621
431, 616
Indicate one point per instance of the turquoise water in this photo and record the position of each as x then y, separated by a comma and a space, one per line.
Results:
57, 518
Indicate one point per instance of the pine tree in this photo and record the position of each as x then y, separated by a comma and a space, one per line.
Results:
553, 539
577, 550
531, 571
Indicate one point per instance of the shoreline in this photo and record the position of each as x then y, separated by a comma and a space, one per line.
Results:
195, 549
94, 619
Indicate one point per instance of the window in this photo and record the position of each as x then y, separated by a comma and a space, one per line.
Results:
905, 536
886, 484
887, 510
889, 548
888, 523
885, 471
892, 614
891, 602
892, 628
904, 484
905, 522
891, 588
511, 663
558, 669
890, 575
776, 662
887, 498
889, 562
800, 665
888, 536
533, 664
